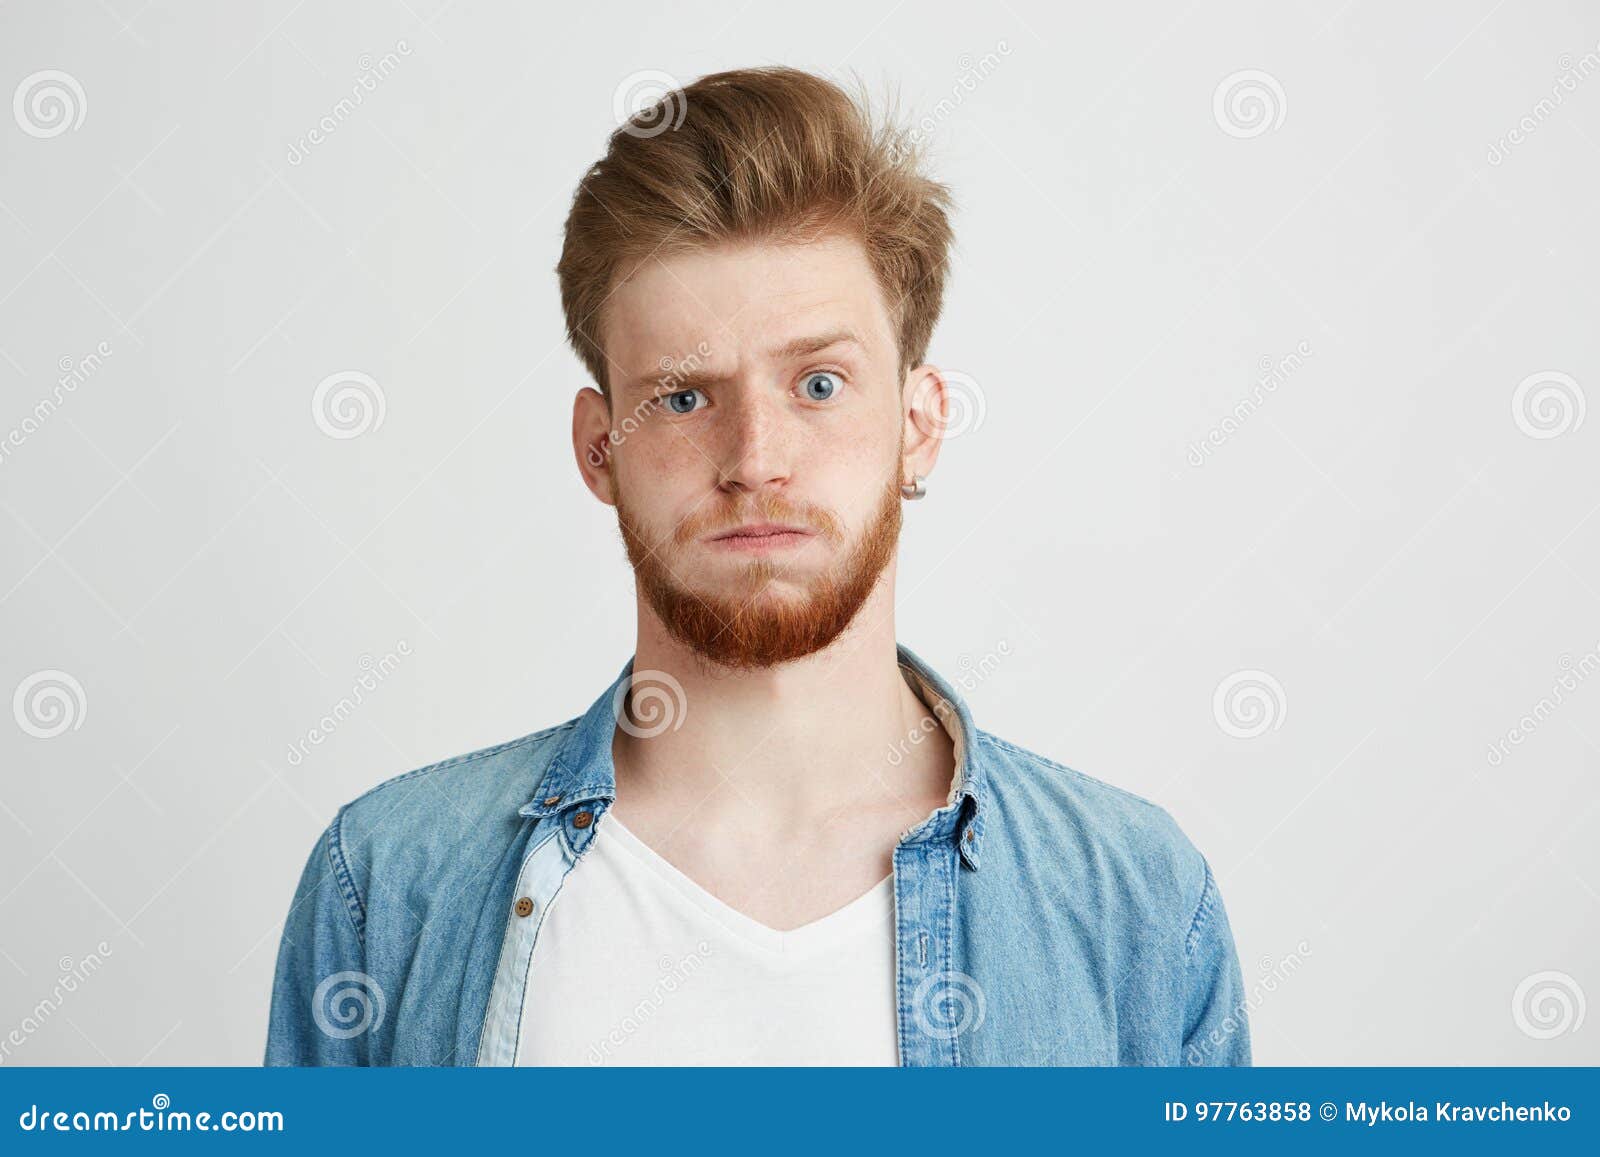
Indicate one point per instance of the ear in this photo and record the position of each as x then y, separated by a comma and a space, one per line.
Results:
591, 441
926, 403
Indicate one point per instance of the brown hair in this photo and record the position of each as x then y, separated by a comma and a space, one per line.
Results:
756, 154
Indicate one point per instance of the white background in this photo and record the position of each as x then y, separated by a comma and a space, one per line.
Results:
1384, 536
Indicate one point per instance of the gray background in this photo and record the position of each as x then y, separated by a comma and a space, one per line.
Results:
1404, 547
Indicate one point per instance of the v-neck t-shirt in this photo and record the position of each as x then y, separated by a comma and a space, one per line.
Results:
636, 964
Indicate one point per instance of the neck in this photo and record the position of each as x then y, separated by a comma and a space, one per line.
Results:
776, 748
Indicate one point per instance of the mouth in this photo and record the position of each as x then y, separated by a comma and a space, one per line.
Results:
760, 537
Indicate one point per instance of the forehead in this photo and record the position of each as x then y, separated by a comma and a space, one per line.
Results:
741, 300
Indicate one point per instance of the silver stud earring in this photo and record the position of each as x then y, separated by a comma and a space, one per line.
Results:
913, 490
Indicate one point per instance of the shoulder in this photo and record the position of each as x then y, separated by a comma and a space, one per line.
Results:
447, 806
1095, 830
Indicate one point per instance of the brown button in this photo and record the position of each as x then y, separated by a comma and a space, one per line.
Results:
968, 836
524, 906
583, 819
552, 800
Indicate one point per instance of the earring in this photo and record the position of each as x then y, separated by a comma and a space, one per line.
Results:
915, 489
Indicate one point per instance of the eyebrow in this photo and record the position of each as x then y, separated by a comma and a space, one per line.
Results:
799, 347
804, 346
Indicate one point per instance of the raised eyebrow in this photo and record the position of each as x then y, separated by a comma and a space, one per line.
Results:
801, 347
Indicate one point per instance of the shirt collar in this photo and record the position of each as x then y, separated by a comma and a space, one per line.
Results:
582, 769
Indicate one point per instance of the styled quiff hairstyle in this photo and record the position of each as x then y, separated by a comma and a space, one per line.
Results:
756, 154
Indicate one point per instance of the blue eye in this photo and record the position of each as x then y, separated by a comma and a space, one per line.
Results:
682, 402
821, 386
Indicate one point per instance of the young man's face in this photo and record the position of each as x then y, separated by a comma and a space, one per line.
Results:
754, 387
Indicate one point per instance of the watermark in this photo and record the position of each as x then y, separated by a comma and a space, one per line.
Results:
1548, 404
1273, 974
657, 704
347, 1004
649, 103
1572, 674
373, 672
373, 72
965, 408
348, 404
1566, 82
73, 373
948, 1004
1249, 103
969, 673
49, 703
73, 973
156, 1119
674, 975
1249, 703
674, 371
1547, 1005
974, 71
1272, 375
49, 103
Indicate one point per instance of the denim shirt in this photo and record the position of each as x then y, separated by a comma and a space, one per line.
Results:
1041, 917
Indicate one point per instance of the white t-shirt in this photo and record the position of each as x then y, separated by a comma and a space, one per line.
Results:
636, 964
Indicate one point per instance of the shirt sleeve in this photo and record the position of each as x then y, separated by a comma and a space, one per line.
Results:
1216, 1028
323, 1001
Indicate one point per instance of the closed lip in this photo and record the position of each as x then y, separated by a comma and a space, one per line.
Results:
759, 530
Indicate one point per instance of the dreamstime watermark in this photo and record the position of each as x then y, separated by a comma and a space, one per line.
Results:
1548, 1004
650, 703
49, 103
156, 1119
1548, 404
373, 672
1273, 374
974, 71
674, 974
674, 371
969, 673
72, 375
1273, 974
373, 72
49, 703
1573, 673
348, 404
948, 1004
73, 973
1249, 703
964, 410
1248, 103
1566, 82
347, 1004
649, 103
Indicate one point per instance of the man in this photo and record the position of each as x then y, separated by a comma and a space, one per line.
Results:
778, 837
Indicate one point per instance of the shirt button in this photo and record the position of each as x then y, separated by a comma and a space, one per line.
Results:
524, 906
583, 819
551, 801
968, 836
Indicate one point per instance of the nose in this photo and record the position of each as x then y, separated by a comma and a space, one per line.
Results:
757, 449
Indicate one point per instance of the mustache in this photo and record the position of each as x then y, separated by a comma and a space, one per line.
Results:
721, 518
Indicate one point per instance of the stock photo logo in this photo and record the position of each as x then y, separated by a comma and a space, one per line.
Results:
649, 103
49, 703
1249, 103
1547, 1005
659, 704
348, 404
347, 1004
49, 103
1548, 404
966, 407
1248, 704
949, 1004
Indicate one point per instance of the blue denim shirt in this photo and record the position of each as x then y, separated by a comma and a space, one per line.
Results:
1041, 916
